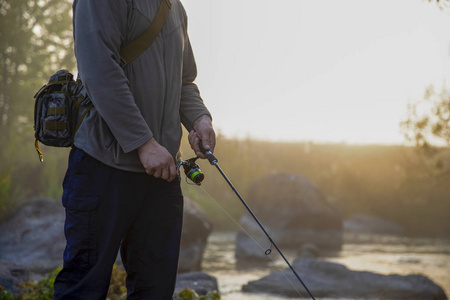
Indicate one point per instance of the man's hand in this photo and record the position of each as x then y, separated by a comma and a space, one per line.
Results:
157, 161
203, 131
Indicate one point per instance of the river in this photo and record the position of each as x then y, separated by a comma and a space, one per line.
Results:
380, 254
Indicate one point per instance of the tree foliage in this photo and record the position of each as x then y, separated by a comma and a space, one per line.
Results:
428, 126
428, 120
443, 4
35, 40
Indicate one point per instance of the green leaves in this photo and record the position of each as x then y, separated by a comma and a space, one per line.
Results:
42, 290
4, 295
188, 294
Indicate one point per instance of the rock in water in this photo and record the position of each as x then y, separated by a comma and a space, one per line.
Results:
332, 280
294, 212
201, 282
194, 237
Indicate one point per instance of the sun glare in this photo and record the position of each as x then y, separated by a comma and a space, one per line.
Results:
336, 71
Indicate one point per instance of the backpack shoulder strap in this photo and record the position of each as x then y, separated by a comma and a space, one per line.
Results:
136, 47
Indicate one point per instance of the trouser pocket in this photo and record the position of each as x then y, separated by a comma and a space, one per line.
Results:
80, 231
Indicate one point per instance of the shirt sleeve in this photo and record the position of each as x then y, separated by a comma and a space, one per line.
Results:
99, 29
191, 104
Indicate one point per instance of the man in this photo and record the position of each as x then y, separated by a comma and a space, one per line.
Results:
121, 190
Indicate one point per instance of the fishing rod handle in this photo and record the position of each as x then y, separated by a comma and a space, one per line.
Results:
212, 159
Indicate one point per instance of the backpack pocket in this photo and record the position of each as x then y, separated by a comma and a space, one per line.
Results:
55, 124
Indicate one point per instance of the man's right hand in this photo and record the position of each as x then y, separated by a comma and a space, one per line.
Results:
157, 161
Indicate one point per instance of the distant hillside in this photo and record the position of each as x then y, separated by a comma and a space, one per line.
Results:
393, 182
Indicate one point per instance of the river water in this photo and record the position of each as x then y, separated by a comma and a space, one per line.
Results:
379, 254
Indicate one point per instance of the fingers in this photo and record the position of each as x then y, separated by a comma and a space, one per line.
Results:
155, 173
194, 141
209, 141
164, 174
167, 172
157, 161
172, 172
204, 131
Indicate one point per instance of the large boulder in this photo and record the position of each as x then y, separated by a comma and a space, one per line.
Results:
332, 280
194, 237
33, 238
294, 212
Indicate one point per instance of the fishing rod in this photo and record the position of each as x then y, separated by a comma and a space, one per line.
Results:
193, 172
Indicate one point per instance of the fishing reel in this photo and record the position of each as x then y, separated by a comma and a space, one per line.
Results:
192, 170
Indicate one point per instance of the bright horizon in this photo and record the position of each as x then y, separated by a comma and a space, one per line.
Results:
328, 71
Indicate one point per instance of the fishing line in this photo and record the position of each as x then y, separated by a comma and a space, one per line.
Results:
267, 252
231, 217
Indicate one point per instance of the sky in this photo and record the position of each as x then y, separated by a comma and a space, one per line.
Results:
318, 71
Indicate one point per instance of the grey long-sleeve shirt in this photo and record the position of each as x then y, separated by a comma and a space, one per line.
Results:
148, 98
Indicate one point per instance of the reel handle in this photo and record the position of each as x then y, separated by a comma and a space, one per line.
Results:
212, 159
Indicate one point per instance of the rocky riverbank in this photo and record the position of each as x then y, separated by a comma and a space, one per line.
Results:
32, 243
332, 280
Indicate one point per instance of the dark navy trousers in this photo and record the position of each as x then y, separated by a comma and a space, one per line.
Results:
108, 209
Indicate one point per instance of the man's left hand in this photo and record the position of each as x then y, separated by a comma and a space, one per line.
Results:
203, 131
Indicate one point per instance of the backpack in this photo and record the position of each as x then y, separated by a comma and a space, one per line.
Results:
58, 102
55, 110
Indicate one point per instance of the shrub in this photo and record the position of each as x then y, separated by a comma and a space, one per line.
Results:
4, 295
188, 294
43, 289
